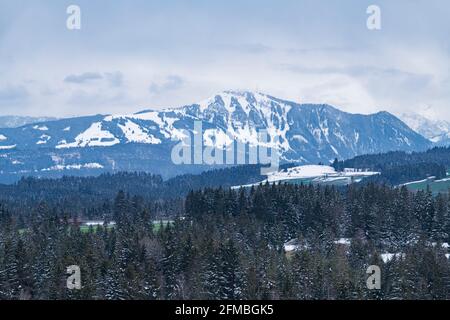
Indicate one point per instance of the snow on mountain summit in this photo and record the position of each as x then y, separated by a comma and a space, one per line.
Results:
438, 131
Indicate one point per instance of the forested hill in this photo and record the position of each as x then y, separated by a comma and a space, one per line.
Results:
380, 161
401, 167
78, 193
138, 183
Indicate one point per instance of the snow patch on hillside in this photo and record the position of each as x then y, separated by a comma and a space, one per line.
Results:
8, 147
165, 125
94, 136
58, 167
40, 128
134, 133
216, 138
44, 139
299, 138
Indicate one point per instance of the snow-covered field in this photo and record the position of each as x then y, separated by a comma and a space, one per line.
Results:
94, 136
317, 174
436, 186
7, 147
302, 172
420, 181
59, 167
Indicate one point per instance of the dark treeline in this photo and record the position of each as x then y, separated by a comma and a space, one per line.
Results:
228, 244
92, 196
439, 155
407, 173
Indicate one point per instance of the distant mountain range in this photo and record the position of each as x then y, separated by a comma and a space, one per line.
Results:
307, 133
18, 121
437, 131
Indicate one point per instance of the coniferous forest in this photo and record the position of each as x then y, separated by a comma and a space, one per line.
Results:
226, 243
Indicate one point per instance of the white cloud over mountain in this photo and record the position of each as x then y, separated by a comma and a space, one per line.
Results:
136, 54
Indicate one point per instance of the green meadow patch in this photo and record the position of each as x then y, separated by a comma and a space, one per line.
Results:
157, 225
437, 186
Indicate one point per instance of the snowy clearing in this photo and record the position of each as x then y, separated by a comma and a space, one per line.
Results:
8, 147
40, 128
134, 133
94, 136
59, 167
317, 174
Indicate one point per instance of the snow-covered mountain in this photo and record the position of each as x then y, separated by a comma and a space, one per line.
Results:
437, 131
306, 133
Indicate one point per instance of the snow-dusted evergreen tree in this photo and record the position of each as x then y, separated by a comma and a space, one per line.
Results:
230, 276
9, 276
438, 228
151, 283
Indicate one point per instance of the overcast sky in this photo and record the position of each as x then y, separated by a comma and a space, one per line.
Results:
134, 55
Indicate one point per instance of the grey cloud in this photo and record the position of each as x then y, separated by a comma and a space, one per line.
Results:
83, 78
409, 79
171, 83
252, 48
87, 99
357, 70
13, 94
115, 79
324, 49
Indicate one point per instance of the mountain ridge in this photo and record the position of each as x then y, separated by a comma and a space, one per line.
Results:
302, 133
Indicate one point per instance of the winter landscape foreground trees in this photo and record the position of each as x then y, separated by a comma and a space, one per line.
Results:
230, 244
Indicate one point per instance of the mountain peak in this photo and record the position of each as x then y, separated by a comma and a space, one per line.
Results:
229, 99
241, 93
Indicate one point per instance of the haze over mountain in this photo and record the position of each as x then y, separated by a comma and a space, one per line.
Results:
438, 131
18, 121
306, 133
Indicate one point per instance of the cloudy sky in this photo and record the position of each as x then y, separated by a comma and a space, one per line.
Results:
139, 54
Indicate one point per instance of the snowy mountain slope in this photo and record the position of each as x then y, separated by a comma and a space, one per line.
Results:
305, 133
438, 131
